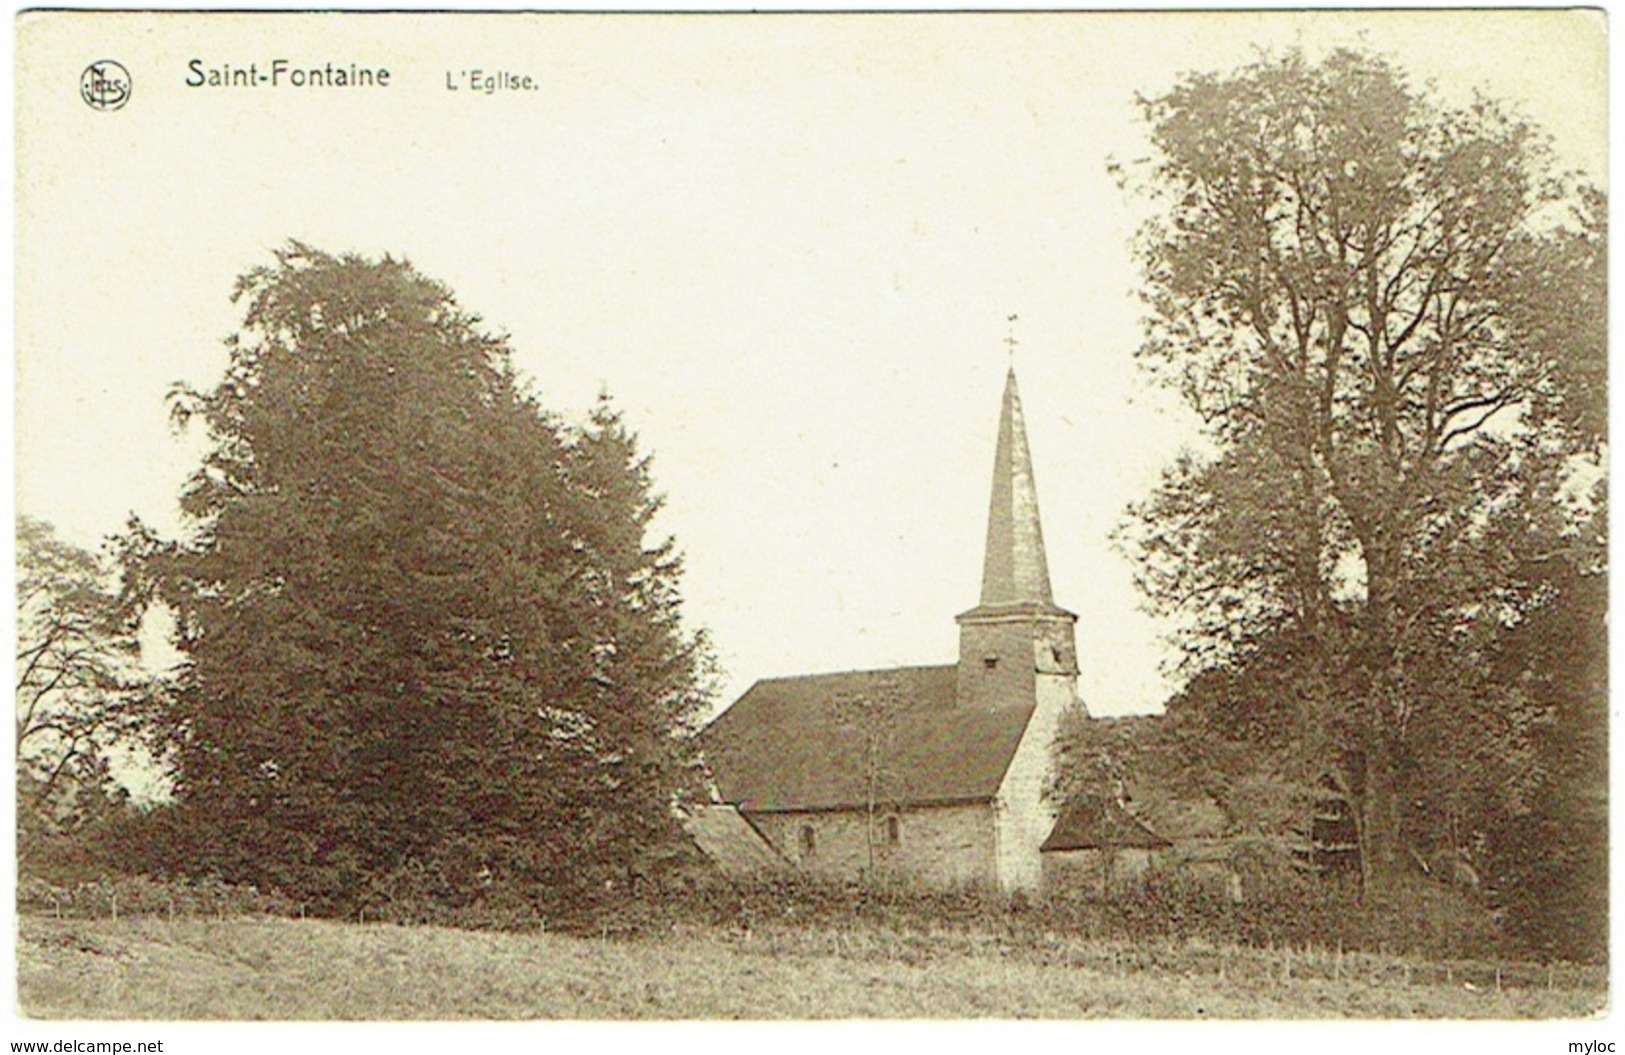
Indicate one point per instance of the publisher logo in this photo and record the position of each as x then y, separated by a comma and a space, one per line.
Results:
105, 85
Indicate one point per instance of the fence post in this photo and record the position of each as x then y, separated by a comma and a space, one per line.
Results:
112, 899
1497, 978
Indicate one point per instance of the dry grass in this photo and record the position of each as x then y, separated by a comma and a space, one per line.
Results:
248, 968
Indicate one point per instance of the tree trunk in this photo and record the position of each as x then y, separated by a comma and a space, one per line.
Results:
1382, 805
1381, 827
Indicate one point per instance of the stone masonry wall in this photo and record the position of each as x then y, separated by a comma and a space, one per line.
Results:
1008, 682
937, 846
1024, 817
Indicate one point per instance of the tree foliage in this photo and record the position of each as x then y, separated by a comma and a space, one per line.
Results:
1547, 865
79, 687
1352, 286
429, 648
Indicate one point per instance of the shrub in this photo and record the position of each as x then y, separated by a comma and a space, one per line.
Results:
1283, 909
125, 895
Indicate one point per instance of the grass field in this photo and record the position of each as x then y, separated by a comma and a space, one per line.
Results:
261, 968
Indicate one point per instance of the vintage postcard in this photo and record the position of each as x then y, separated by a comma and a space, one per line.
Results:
843, 516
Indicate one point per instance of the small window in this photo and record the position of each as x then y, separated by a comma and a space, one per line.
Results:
894, 831
809, 841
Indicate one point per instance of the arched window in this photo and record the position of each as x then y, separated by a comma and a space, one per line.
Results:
809, 841
894, 830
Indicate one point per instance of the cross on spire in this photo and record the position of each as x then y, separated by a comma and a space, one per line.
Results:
1010, 337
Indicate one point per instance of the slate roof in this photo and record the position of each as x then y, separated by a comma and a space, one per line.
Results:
784, 746
730, 841
1014, 568
1100, 824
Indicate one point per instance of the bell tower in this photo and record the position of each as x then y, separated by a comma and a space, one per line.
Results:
1017, 650
1017, 640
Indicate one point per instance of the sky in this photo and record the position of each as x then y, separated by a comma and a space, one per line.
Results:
788, 247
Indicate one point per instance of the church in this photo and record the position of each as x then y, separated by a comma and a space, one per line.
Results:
930, 774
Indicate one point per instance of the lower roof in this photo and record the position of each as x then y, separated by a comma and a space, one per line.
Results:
1100, 823
729, 840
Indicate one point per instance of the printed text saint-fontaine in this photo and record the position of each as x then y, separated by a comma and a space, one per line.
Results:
284, 73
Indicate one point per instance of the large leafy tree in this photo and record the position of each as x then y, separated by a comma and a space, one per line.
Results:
1547, 865
1352, 285
429, 649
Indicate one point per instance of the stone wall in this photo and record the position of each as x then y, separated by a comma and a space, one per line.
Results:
1024, 816
1085, 873
936, 846
995, 661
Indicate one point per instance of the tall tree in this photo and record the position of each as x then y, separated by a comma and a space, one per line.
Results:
648, 677
428, 649
1348, 283
79, 687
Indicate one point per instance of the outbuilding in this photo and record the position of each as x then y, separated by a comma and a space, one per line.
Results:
1099, 849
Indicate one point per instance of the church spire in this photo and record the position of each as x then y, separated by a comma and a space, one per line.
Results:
1016, 647
1014, 568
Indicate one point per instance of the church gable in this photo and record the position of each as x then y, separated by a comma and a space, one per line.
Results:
800, 744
